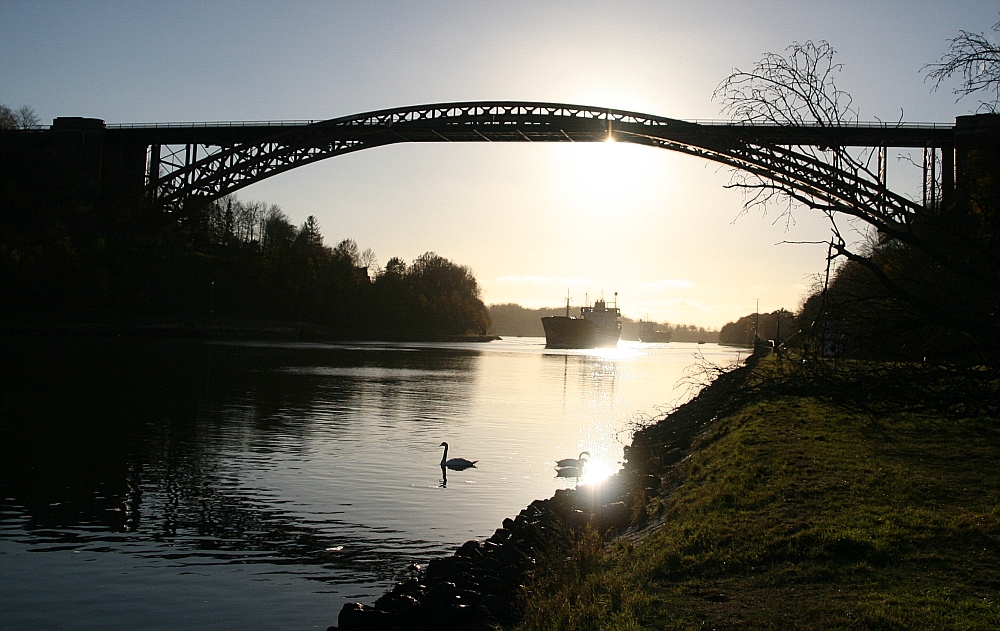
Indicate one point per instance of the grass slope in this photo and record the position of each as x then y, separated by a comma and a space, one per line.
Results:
792, 513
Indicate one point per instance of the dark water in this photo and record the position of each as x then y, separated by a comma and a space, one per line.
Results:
164, 485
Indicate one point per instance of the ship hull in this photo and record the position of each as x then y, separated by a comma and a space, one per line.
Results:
567, 332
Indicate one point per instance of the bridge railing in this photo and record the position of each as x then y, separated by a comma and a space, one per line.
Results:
847, 125
698, 121
198, 124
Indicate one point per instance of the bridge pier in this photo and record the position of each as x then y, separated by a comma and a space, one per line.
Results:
977, 150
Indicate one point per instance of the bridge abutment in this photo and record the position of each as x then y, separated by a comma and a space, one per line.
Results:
977, 152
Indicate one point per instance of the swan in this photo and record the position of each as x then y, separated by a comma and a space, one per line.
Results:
455, 463
573, 463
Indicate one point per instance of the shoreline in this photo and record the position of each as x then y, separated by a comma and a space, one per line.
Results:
228, 329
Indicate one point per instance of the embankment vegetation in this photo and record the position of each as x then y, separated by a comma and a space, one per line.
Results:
812, 497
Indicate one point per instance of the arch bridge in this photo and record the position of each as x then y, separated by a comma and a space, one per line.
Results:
175, 164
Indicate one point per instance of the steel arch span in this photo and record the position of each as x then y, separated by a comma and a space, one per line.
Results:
205, 162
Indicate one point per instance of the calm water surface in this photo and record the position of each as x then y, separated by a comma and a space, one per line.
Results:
166, 485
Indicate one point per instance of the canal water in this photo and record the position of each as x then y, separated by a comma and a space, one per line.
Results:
163, 485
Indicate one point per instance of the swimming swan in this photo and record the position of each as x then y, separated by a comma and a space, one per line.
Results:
573, 463
455, 463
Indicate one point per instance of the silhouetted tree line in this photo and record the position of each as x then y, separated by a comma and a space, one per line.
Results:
689, 333
511, 319
70, 261
777, 326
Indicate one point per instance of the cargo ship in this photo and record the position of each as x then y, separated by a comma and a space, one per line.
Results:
596, 327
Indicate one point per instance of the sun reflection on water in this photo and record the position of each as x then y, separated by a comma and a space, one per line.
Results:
601, 411
616, 353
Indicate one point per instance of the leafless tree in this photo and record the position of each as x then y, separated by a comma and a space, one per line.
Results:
7, 120
976, 59
26, 117
370, 261
23, 117
799, 88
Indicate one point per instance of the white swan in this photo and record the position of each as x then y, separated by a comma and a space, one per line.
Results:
573, 463
455, 463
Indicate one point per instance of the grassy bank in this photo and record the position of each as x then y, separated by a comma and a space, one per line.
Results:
795, 511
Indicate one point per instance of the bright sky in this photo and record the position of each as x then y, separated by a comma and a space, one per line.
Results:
531, 221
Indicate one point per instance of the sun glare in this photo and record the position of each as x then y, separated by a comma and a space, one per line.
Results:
607, 174
596, 472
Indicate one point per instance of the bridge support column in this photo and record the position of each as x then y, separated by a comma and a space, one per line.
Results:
153, 171
947, 176
930, 195
882, 184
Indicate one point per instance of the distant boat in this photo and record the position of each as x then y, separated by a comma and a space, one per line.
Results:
649, 334
596, 327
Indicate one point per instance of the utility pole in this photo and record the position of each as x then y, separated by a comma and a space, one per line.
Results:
756, 324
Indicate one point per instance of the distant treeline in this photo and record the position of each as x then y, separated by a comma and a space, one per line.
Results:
512, 320
66, 262
777, 326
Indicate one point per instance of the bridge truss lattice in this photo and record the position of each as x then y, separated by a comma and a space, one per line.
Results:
198, 163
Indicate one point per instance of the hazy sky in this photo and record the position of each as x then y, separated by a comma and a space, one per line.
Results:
531, 220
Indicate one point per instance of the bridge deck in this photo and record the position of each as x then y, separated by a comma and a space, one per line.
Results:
540, 129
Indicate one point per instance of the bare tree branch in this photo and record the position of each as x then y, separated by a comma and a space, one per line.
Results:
941, 262
976, 60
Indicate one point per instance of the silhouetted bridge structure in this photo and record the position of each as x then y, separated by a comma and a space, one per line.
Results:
171, 165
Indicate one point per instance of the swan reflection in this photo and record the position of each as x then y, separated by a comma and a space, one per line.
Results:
574, 463
570, 472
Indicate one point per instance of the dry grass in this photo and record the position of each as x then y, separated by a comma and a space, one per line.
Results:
797, 513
